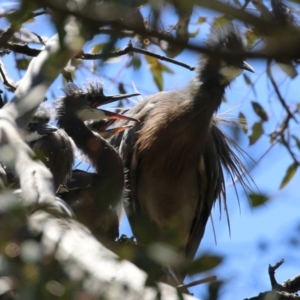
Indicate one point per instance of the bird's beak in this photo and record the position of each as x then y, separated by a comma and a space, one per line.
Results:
37, 131
116, 116
101, 100
245, 66
102, 125
41, 129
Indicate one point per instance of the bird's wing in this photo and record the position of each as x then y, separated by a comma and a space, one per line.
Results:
130, 160
125, 142
210, 179
221, 154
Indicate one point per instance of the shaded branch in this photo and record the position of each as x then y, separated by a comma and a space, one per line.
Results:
22, 49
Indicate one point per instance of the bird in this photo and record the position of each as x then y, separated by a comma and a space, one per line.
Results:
100, 204
174, 157
79, 192
50, 144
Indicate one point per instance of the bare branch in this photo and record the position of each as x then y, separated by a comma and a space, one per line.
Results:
130, 48
282, 101
272, 270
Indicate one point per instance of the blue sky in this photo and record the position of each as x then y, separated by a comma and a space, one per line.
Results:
246, 264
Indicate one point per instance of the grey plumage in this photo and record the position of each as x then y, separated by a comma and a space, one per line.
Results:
175, 155
51, 145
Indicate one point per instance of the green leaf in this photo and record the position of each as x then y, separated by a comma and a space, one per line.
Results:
290, 172
297, 141
224, 99
166, 69
243, 122
194, 34
204, 263
135, 62
288, 68
201, 20
257, 199
23, 63
257, 131
249, 82
251, 37
247, 79
157, 69
158, 81
258, 109
97, 48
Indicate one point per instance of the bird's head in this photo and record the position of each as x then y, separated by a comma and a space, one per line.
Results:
85, 103
38, 127
225, 39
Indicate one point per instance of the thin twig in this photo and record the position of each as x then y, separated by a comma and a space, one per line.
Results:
282, 101
278, 135
39, 38
130, 48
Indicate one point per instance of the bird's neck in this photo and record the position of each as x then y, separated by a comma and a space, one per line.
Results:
213, 83
206, 94
100, 153
89, 143
75, 128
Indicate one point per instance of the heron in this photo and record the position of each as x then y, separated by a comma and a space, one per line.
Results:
101, 203
50, 144
80, 190
174, 157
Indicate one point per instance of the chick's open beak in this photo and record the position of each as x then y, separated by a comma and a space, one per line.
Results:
116, 116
